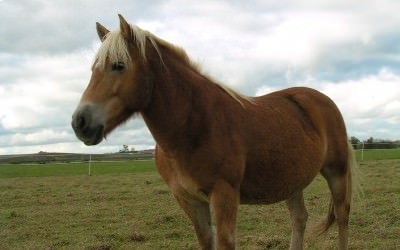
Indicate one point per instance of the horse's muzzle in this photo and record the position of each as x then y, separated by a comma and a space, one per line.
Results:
87, 125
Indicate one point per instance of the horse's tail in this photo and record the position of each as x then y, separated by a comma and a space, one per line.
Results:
352, 186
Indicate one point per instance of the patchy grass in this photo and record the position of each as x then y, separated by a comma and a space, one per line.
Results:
136, 211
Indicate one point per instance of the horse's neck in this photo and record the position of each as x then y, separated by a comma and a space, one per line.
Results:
179, 106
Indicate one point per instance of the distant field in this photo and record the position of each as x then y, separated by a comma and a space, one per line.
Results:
52, 158
69, 169
378, 154
126, 205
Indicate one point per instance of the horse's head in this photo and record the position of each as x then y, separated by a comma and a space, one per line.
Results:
120, 84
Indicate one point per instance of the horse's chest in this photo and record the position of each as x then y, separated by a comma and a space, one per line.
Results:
183, 183
186, 187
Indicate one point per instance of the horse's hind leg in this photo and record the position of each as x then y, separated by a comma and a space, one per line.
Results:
298, 215
341, 204
199, 214
339, 183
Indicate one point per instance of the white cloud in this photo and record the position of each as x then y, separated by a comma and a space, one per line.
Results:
236, 42
43, 136
299, 38
373, 96
40, 89
343, 48
369, 104
263, 90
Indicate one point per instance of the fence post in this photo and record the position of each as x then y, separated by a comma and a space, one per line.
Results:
90, 163
362, 152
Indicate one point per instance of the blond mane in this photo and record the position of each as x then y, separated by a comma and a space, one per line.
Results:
114, 49
114, 46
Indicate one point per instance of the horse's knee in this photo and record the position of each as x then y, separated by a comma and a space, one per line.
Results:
301, 218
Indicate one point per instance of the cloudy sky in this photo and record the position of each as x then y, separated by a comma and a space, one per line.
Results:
350, 50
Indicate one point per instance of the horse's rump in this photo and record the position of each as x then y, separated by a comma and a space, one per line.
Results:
291, 134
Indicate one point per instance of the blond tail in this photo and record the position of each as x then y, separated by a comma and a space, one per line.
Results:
352, 186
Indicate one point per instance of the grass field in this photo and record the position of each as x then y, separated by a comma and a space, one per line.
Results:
71, 169
126, 205
378, 154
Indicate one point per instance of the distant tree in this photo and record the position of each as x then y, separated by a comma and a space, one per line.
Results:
373, 143
125, 149
355, 142
370, 140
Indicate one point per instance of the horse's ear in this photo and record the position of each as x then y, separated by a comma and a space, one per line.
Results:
101, 31
125, 28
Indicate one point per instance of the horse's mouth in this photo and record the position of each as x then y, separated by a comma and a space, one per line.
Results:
96, 138
92, 136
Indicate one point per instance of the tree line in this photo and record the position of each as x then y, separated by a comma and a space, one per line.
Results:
372, 143
125, 149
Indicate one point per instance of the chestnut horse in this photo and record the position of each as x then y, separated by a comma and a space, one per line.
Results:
216, 148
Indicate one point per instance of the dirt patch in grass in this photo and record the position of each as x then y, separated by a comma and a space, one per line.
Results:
137, 236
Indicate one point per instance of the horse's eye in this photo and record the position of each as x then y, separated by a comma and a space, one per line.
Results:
118, 66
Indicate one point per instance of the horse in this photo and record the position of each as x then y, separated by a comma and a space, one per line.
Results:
215, 148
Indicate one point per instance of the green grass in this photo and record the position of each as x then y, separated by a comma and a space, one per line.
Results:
71, 169
118, 209
378, 154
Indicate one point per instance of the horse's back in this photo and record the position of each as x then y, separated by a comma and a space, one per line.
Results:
317, 113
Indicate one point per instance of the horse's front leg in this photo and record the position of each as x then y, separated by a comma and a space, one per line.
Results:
199, 214
224, 200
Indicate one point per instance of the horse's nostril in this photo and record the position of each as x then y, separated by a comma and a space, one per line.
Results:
81, 122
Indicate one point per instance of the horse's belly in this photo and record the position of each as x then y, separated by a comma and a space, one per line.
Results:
264, 195
266, 186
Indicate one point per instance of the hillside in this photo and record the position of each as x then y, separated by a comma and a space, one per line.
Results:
45, 157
